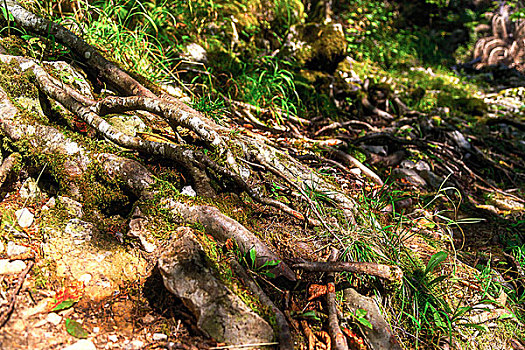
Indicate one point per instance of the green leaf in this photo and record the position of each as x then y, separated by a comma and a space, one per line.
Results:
365, 322
360, 313
253, 255
66, 304
75, 329
434, 261
310, 314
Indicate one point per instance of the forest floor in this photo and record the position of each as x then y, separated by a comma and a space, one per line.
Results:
342, 201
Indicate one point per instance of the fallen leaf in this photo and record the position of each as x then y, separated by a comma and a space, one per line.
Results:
67, 296
316, 290
75, 329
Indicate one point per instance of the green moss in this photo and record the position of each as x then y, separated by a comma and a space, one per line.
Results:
14, 45
17, 84
325, 47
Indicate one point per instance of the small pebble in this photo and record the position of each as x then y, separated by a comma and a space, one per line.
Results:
113, 338
83, 344
160, 337
14, 249
11, 267
25, 217
54, 318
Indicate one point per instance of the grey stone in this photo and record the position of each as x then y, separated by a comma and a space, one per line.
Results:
381, 150
195, 53
188, 191
160, 337
24, 217
80, 231
411, 175
219, 312
83, 344
14, 249
460, 140
432, 179
422, 165
11, 267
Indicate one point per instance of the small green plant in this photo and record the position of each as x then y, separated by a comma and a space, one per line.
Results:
360, 317
250, 260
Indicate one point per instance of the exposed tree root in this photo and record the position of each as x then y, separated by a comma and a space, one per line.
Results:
390, 273
284, 336
4, 317
7, 166
338, 338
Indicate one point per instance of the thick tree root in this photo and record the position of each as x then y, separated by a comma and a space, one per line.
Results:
8, 165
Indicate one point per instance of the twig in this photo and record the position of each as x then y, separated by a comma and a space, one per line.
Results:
21, 278
391, 273
284, 336
338, 125
338, 338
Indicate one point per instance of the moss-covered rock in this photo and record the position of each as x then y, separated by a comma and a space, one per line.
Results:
318, 46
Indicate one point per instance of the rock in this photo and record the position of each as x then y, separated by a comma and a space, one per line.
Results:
113, 338
219, 312
54, 318
25, 217
83, 344
14, 249
73, 207
460, 140
195, 53
128, 124
30, 190
102, 267
381, 150
160, 337
134, 345
188, 191
422, 165
432, 179
411, 175
318, 46
11, 267
80, 231
49, 204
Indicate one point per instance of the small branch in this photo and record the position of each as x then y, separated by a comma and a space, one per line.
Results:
345, 124
338, 338
391, 273
21, 278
